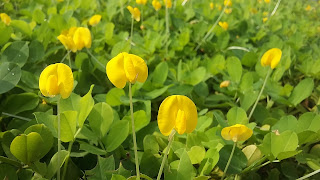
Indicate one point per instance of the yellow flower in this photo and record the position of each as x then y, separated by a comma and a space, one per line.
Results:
219, 7
211, 5
5, 18
168, 3
144, 2
236, 133
265, 13
126, 67
66, 38
82, 38
177, 112
224, 84
56, 79
228, 10
267, 1
265, 19
227, 3
254, 10
308, 8
156, 5
60, 0
224, 25
271, 58
134, 12
94, 20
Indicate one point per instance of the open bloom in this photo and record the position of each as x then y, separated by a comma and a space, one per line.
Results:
168, 3
135, 12
265, 19
211, 5
308, 8
267, 1
126, 67
224, 84
271, 58
76, 38
5, 18
177, 112
227, 3
236, 133
224, 25
156, 5
94, 20
228, 10
144, 2
56, 79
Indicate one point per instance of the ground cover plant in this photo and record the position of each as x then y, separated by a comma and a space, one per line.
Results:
153, 89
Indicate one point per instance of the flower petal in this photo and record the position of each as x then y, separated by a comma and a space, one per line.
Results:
190, 110
140, 68
65, 80
44, 76
271, 57
115, 71
129, 68
167, 115
82, 38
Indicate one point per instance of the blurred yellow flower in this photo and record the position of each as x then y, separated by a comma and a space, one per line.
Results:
177, 112
267, 1
308, 8
271, 58
5, 18
156, 5
265, 13
56, 79
265, 19
228, 10
224, 84
224, 25
126, 67
60, 0
254, 10
236, 133
227, 3
94, 20
76, 38
211, 5
168, 3
219, 7
135, 12
144, 2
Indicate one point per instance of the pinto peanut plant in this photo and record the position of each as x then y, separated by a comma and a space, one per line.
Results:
159, 89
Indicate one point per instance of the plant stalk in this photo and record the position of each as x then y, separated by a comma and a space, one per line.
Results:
59, 141
229, 160
167, 29
131, 32
134, 135
309, 175
261, 91
170, 139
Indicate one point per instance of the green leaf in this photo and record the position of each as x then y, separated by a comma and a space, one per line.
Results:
17, 103
91, 149
119, 131
38, 16
36, 52
156, 93
185, 168
17, 52
237, 115
196, 154
210, 161
22, 26
45, 134
308, 121
100, 118
234, 68
160, 74
68, 124
109, 31
5, 32
103, 165
196, 76
8, 172
253, 153
117, 177
216, 65
86, 104
249, 59
301, 91
113, 96
72, 103
30, 79
238, 161
48, 120
27, 148
285, 123
140, 120
150, 163
122, 46
53, 165
150, 144
10, 75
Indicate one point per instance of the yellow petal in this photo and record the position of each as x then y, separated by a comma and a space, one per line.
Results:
44, 76
224, 25
181, 124
129, 68
168, 3
167, 115
224, 84
156, 5
94, 20
65, 80
5, 18
141, 68
271, 58
82, 38
227, 3
144, 2
237, 132
115, 71
52, 85
190, 110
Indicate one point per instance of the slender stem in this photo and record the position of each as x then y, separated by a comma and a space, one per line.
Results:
69, 58
65, 56
255, 164
121, 8
262, 88
15, 116
94, 58
59, 141
131, 32
309, 175
210, 31
134, 135
166, 153
167, 28
229, 160
275, 8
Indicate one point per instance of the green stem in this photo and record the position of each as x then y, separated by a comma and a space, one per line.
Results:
167, 30
309, 175
229, 160
275, 8
255, 164
131, 32
65, 56
15, 116
134, 135
59, 141
170, 139
210, 31
94, 58
261, 91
